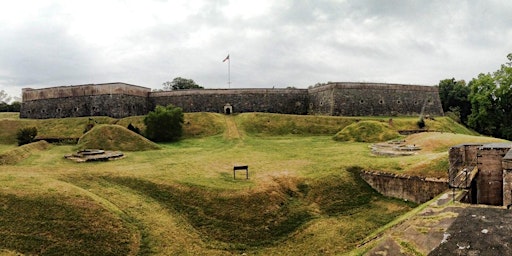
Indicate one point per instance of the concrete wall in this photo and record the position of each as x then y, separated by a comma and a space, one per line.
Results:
411, 188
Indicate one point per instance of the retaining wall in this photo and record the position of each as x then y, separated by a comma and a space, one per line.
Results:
411, 188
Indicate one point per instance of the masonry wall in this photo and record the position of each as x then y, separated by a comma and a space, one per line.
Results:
284, 101
115, 105
412, 188
113, 99
121, 100
489, 180
507, 179
373, 99
461, 156
29, 94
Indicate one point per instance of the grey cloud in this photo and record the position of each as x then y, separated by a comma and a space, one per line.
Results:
297, 43
39, 54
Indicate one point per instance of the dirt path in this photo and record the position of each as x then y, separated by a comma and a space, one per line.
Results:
231, 128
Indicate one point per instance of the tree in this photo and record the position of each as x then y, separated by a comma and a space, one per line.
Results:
483, 117
180, 83
26, 135
454, 98
491, 102
164, 123
503, 81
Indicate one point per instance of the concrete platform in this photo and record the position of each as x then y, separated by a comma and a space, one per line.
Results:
445, 227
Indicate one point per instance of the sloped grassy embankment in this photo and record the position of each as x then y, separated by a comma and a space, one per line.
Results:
176, 201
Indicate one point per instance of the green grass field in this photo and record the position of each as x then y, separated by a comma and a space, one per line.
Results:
303, 195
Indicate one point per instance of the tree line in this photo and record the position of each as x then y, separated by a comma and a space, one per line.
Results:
484, 104
5, 106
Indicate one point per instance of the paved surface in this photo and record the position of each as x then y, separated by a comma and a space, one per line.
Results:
478, 231
447, 228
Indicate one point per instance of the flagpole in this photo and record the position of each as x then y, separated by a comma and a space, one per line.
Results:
229, 72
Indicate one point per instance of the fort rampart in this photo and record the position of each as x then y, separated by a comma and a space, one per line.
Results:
112, 99
371, 99
338, 99
284, 101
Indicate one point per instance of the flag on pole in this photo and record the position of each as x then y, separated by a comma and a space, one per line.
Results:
227, 58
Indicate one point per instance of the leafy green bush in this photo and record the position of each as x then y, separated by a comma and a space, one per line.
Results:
26, 135
164, 123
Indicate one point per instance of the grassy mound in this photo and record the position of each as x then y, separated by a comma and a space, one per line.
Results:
56, 225
441, 142
366, 131
281, 124
115, 137
17, 154
195, 125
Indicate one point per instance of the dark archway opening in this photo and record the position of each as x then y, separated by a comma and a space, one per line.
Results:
228, 109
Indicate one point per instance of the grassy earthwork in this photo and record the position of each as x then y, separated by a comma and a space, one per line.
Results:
303, 195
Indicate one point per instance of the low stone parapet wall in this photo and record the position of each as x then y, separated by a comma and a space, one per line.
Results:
411, 188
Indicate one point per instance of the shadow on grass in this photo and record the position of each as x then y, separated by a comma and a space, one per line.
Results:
264, 217
240, 219
51, 225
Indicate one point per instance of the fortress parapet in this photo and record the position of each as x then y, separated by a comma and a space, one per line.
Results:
336, 99
283, 101
111, 99
374, 99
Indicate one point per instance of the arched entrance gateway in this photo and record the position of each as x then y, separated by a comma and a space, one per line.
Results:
228, 109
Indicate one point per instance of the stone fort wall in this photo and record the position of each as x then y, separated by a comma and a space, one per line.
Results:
338, 99
371, 99
284, 101
113, 99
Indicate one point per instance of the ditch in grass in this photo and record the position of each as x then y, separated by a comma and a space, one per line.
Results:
248, 219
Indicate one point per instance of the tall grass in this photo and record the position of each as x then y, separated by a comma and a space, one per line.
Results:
302, 196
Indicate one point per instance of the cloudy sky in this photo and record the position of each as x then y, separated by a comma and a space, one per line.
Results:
271, 43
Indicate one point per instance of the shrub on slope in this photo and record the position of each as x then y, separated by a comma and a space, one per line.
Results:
366, 131
115, 137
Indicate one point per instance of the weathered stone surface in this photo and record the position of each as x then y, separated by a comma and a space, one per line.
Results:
338, 99
373, 99
492, 183
411, 188
284, 101
89, 155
